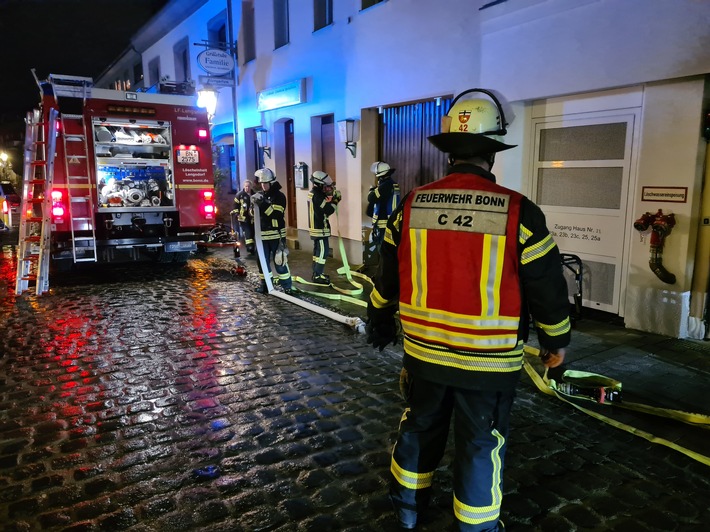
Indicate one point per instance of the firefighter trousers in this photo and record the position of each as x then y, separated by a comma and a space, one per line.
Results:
481, 420
284, 273
321, 250
247, 229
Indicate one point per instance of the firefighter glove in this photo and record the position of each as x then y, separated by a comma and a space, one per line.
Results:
257, 198
382, 333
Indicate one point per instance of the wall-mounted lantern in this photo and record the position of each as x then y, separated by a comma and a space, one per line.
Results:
207, 99
262, 140
349, 131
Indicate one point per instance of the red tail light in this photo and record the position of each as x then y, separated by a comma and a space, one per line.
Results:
58, 209
209, 209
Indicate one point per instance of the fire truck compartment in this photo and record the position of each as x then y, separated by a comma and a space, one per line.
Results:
134, 165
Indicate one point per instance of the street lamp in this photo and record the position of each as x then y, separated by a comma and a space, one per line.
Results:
207, 99
5, 165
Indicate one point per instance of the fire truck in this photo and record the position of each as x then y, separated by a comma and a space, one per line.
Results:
112, 176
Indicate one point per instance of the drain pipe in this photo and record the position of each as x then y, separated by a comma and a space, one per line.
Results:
354, 323
698, 320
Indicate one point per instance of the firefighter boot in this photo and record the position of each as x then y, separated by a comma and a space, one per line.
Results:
262, 288
320, 278
406, 517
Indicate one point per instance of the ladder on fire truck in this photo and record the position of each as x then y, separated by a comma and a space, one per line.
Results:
35, 217
73, 91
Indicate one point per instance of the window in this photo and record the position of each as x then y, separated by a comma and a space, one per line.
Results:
370, 3
322, 14
154, 71
138, 74
181, 53
281, 37
248, 37
217, 32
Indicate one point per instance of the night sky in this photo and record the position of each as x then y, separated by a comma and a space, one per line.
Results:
74, 37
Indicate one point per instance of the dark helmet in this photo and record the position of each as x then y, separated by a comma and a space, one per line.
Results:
472, 127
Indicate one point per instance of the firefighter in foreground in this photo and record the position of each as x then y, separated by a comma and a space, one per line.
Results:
245, 215
466, 262
272, 208
381, 201
322, 200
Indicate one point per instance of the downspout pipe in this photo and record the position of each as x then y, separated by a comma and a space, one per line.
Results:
235, 128
698, 319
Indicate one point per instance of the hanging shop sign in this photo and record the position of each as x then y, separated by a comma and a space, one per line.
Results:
215, 61
291, 93
217, 82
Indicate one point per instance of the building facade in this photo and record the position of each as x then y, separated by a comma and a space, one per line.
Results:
606, 100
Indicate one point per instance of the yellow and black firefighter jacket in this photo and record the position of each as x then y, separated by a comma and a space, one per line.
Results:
467, 262
272, 211
243, 208
383, 200
319, 209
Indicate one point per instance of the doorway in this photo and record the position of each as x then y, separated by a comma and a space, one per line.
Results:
581, 180
403, 143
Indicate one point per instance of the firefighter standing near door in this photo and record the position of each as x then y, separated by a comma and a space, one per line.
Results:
322, 200
245, 215
466, 262
381, 200
272, 208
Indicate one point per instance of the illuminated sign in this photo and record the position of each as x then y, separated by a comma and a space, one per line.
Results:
291, 93
215, 61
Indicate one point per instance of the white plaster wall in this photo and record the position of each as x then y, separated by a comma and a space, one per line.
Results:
668, 156
194, 28
406, 50
541, 48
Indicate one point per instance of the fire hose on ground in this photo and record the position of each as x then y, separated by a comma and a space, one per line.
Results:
354, 323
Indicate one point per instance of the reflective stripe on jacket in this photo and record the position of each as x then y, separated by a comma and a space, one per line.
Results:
465, 260
384, 200
319, 209
273, 209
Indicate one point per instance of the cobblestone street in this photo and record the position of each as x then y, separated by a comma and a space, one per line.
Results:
147, 399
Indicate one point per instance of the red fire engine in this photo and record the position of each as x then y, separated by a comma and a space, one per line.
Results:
112, 176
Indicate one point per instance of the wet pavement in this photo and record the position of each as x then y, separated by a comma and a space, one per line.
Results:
169, 399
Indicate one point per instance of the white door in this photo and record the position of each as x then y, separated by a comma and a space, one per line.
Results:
581, 174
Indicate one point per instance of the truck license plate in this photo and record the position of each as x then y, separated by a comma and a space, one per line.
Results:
181, 246
188, 156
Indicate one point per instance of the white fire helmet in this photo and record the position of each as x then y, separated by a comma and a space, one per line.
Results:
321, 178
264, 175
472, 126
381, 169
